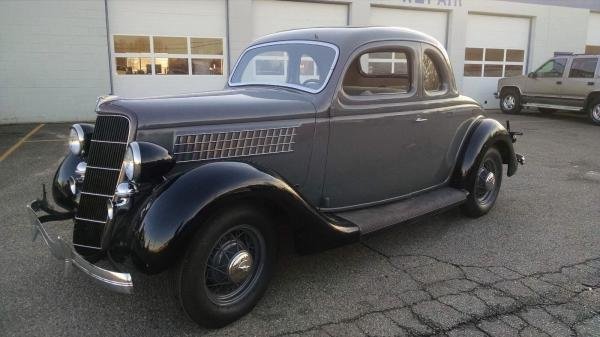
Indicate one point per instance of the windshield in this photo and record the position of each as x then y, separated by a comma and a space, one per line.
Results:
304, 65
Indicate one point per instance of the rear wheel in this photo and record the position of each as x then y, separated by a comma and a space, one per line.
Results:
594, 111
510, 101
483, 184
227, 267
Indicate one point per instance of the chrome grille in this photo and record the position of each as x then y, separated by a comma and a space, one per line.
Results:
104, 159
222, 145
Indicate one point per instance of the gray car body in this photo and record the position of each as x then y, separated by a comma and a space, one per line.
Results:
349, 152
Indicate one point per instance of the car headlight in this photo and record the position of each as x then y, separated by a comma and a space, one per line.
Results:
79, 137
146, 162
76, 139
132, 162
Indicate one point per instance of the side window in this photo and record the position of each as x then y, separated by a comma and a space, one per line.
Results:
552, 68
432, 78
377, 73
583, 68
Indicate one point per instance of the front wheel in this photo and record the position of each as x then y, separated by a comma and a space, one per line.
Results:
510, 101
594, 112
227, 267
483, 184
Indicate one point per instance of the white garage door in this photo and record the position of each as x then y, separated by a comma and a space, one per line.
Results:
434, 23
167, 47
496, 47
593, 35
269, 16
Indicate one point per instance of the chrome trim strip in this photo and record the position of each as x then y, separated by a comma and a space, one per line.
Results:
60, 249
110, 142
551, 106
86, 246
98, 194
103, 168
288, 85
90, 220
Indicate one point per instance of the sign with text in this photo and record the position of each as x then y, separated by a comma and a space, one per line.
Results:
447, 3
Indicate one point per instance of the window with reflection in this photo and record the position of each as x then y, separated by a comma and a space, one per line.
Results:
378, 73
552, 69
133, 65
583, 68
494, 62
432, 78
168, 55
171, 66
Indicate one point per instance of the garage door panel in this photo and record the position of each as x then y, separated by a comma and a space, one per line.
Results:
434, 23
270, 16
496, 47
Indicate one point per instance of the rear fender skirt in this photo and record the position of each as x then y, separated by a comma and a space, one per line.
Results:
169, 218
485, 133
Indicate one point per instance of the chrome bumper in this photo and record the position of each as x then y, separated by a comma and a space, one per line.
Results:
60, 249
496, 95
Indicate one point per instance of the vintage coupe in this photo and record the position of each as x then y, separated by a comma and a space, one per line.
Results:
327, 134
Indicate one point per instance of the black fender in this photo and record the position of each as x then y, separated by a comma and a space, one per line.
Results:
179, 207
60, 184
485, 133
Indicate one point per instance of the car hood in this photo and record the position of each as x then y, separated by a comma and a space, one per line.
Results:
217, 107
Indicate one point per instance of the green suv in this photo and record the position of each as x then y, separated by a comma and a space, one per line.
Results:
565, 82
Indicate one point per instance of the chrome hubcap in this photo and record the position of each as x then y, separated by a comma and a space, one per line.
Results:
234, 265
240, 266
509, 102
486, 185
596, 112
490, 181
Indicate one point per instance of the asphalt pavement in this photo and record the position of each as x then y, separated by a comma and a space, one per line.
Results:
531, 267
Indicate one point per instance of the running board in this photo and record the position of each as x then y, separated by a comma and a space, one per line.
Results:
552, 106
376, 218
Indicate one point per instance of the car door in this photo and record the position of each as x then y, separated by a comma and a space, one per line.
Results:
580, 80
373, 126
386, 141
544, 85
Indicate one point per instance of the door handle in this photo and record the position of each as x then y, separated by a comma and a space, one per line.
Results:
591, 83
419, 120
558, 82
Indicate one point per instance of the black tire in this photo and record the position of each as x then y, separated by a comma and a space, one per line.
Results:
510, 101
200, 286
547, 111
594, 111
483, 193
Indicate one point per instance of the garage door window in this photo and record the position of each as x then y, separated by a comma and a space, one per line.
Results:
378, 73
167, 55
494, 62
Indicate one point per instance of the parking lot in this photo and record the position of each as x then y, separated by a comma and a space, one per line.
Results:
529, 268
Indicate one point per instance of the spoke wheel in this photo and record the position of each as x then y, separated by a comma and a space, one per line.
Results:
227, 266
233, 265
510, 101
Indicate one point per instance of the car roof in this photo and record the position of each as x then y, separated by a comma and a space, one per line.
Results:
350, 37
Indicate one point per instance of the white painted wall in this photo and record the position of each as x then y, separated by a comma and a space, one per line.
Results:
53, 60
431, 22
206, 18
269, 16
593, 33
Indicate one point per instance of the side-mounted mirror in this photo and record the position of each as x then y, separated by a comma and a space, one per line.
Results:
532, 75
